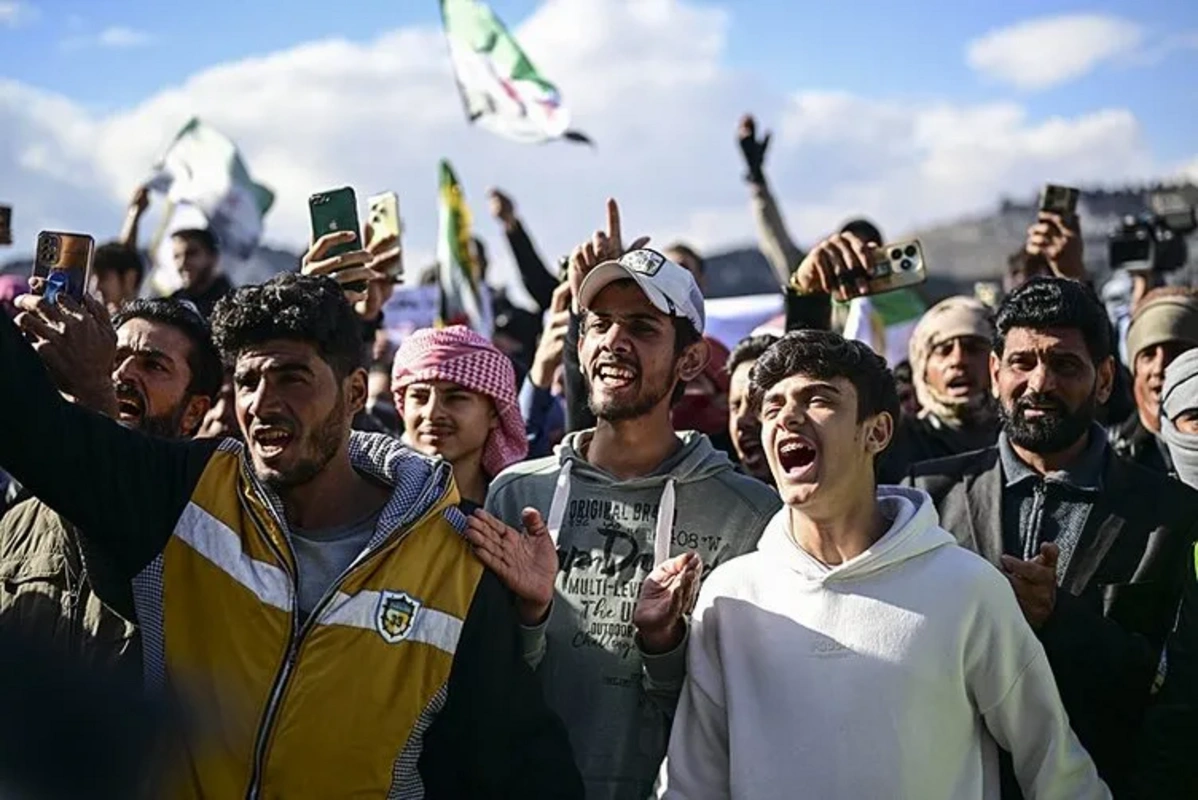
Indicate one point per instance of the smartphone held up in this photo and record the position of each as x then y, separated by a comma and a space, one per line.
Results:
63, 261
385, 224
332, 212
893, 266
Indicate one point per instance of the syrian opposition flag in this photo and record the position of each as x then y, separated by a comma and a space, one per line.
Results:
885, 322
500, 87
202, 168
464, 297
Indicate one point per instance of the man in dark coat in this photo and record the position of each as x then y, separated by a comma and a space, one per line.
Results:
1095, 546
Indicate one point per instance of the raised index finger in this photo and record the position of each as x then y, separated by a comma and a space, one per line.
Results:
613, 222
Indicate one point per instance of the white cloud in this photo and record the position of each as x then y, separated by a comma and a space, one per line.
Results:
14, 13
647, 79
119, 36
114, 37
1048, 51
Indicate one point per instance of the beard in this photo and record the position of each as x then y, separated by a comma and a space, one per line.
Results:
1052, 433
165, 426
613, 410
319, 448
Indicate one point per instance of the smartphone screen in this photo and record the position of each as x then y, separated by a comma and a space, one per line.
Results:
5, 224
63, 260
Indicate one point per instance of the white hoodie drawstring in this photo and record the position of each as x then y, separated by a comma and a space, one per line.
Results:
557, 506
662, 531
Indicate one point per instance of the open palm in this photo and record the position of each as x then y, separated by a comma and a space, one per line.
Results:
526, 563
667, 593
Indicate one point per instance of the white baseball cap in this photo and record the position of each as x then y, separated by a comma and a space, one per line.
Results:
670, 288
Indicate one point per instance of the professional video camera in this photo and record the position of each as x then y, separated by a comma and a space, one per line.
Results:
1155, 240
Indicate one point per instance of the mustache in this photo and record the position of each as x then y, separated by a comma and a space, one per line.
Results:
275, 422
1041, 400
128, 391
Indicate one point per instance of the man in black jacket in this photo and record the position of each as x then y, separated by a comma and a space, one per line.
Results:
310, 589
1095, 547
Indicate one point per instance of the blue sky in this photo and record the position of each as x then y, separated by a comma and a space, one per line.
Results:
832, 79
909, 48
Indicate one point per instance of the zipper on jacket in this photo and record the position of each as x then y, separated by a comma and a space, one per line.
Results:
296, 637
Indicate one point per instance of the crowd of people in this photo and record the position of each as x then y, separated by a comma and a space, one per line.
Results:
597, 552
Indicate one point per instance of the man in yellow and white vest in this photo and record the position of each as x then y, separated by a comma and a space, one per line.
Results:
308, 594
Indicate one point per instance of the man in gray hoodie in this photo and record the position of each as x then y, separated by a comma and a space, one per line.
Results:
634, 515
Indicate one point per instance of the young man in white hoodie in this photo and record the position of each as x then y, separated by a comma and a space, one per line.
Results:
859, 653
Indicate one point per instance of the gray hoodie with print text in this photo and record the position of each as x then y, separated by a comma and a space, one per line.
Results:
616, 701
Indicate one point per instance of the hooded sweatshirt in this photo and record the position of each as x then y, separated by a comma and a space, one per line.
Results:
616, 701
891, 675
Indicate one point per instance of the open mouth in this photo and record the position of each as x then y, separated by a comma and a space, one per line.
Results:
960, 386
271, 440
611, 375
129, 405
797, 458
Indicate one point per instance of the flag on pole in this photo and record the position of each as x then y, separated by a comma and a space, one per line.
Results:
464, 297
500, 87
885, 322
202, 168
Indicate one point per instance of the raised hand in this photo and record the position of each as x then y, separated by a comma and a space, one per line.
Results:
752, 148
667, 596
1059, 242
1035, 583
526, 563
601, 247
502, 207
347, 269
553, 339
839, 266
75, 342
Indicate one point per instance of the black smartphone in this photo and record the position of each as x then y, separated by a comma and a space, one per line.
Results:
64, 261
333, 211
1059, 200
5, 224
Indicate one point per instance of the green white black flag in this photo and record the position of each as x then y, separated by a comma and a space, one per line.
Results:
500, 87
203, 168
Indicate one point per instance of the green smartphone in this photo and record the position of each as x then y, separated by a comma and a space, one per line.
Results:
337, 210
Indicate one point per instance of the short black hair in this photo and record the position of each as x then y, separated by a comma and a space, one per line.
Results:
864, 230
115, 257
201, 236
207, 372
690, 253
301, 308
824, 355
748, 349
1050, 302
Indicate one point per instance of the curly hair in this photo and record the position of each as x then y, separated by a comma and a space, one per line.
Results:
1050, 302
824, 355
301, 308
207, 373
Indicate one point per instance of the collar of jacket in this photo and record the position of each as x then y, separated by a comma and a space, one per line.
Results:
418, 483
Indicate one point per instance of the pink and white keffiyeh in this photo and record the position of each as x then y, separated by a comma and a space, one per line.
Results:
459, 355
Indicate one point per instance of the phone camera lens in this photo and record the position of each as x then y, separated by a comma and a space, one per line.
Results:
905, 264
896, 254
910, 251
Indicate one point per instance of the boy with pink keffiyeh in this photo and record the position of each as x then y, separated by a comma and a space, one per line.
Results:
456, 394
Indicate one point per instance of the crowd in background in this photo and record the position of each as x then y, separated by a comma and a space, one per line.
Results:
598, 552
